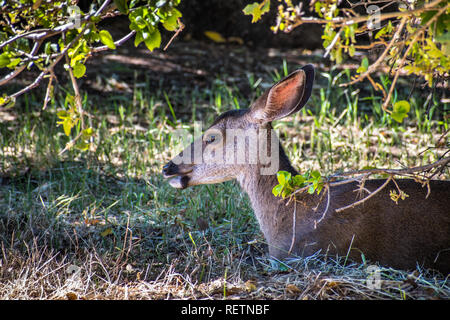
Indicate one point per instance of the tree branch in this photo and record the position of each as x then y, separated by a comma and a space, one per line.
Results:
365, 174
116, 43
440, 163
19, 69
402, 62
354, 204
375, 65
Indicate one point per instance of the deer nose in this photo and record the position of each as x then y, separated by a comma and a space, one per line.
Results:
169, 169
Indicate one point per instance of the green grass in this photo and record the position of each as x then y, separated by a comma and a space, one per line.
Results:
109, 212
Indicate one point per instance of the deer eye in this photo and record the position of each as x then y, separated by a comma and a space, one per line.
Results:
210, 138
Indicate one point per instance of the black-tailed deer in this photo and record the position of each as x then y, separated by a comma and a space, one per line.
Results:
241, 145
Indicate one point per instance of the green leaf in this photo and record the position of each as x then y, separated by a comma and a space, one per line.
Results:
402, 106
283, 177
140, 22
77, 58
87, 133
95, 36
138, 39
79, 70
4, 60
146, 34
215, 36
154, 41
67, 125
400, 110
385, 30
82, 145
298, 180
62, 114
171, 23
13, 63
316, 175
286, 192
70, 100
319, 188
277, 190
351, 50
256, 10
106, 39
364, 65
134, 26
398, 117
265, 7
6, 102
253, 9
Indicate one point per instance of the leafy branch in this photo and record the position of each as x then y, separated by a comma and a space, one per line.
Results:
290, 187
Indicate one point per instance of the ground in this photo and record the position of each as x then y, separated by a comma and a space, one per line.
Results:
103, 224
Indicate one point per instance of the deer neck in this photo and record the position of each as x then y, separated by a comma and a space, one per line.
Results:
268, 209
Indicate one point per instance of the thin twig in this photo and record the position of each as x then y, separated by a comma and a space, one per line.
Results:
116, 43
327, 189
363, 175
49, 90
354, 204
439, 163
180, 28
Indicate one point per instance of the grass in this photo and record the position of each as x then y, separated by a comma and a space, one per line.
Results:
104, 225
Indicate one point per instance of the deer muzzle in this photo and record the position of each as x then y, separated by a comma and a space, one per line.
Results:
179, 176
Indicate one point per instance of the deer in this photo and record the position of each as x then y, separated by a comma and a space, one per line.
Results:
413, 232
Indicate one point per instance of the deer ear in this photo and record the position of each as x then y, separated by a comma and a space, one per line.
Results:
285, 97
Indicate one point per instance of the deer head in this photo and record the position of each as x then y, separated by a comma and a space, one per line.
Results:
240, 141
